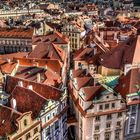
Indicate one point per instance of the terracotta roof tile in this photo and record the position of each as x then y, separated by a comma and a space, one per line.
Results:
8, 120
7, 67
90, 92
16, 33
84, 81
46, 91
13, 55
47, 51
127, 53
28, 100
129, 83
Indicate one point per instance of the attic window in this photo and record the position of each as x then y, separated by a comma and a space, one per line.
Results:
25, 122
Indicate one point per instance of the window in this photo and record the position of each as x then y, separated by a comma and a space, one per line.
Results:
48, 131
79, 64
56, 124
109, 117
97, 127
96, 137
132, 125
97, 118
28, 136
113, 105
107, 135
119, 114
35, 130
48, 117
106, 106
25, 122
133, 109
117, 135
101, 107
108, 125
53, 114
118, 123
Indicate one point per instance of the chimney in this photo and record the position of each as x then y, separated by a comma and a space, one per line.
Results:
13, 103
115, 35
8, 60
20, 83
38, 78
30, 87
117, 41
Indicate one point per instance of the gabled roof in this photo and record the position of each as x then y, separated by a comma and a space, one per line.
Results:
48, 92
8, 120
79, 73
84, 53
84, 81
90, 92
129, 83
56, 38
28, 100
127, 53
31, 73
7, 67
47, 51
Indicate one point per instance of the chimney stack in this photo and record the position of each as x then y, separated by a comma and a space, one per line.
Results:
13, 103
30, 87
20, 83
38, 78
8, 60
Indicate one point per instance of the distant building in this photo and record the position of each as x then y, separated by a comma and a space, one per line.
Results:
15, 40
73, 30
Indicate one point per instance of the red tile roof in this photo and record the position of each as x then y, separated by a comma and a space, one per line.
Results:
50, 70
129, 83
56, 38
8, 120
84, 53
46, 91
16, 33
127, 53
7, 67
31, 73
84, 81
13, 55
47, 51
28, 100
79, 73
90, 92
